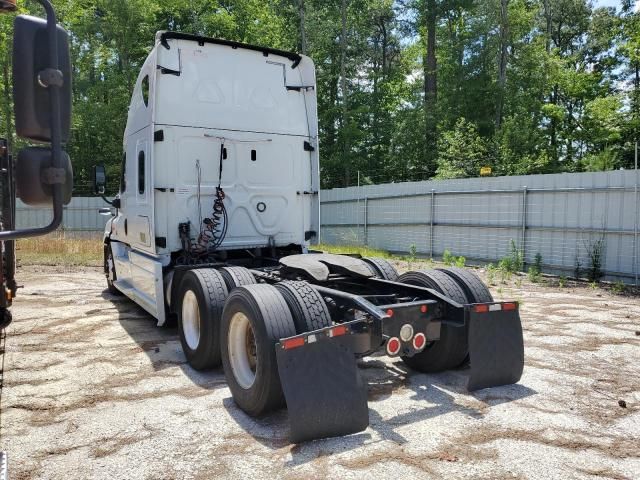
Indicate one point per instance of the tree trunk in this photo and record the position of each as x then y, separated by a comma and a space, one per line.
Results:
547, 16
502, 63
430, 79
303, 34
343, 88
384, 47
553, 131
430, 87
637, 98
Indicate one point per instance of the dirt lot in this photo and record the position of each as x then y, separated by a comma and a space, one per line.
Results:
94, 390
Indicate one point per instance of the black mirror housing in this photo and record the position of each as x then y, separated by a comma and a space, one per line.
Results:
34, 177
30, 96
8, 6
99, 180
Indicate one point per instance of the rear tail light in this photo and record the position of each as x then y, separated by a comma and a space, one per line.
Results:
337, 331
293, 343
393, 346
495, 307
419, 341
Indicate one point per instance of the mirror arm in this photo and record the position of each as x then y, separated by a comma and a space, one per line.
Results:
110, 202
56, 134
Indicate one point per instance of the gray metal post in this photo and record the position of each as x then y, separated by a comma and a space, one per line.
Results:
524, 225
635, 222
358, 208
366, 221
433, 210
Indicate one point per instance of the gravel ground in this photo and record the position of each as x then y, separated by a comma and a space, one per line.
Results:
94, 390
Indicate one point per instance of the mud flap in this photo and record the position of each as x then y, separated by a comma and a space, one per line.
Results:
325, 394
496, 348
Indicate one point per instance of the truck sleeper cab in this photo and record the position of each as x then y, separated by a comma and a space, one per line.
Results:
217, 209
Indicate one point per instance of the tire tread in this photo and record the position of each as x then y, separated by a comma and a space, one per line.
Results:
308, 308
237, 277
471, 283
383, 268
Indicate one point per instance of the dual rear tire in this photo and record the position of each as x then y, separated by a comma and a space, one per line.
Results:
452, 349
200, 301
224, 317
255, 317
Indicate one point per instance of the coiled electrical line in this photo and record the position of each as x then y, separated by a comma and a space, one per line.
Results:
213, 229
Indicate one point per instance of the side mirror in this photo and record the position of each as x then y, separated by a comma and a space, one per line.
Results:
99, 180
35, 177
32, 75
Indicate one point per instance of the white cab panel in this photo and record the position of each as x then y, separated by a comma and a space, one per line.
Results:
140, 278
192, 96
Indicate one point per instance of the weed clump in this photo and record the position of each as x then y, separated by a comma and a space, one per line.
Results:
535, 270
451, 260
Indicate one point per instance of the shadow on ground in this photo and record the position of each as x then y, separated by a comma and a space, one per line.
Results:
440, 394
160, 344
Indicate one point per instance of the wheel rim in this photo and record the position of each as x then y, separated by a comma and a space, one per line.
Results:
191, 319
242, 350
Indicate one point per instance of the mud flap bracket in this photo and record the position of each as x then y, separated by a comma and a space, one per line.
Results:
496, 348
325, 394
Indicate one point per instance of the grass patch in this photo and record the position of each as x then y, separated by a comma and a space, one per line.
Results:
61, 249
352, 249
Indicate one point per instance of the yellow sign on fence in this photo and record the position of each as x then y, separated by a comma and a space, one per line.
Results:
484, 171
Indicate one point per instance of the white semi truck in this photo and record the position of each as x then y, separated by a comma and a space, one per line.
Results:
217, 209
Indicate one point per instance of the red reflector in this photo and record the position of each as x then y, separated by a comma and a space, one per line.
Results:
390, 313
481, 308
419, 340
509, 306
293, 343
339, 330
393, 346
423, 309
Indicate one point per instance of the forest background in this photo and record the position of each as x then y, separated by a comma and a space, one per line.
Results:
407, 89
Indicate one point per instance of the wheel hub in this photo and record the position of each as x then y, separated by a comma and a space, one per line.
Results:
243, 351
191, 319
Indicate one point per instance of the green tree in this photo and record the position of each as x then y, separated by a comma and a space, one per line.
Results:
462, 152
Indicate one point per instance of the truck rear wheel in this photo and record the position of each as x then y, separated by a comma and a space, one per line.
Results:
237, 277
382, 268
452, 348
475, 289
200, 302
308, 308
255, 317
